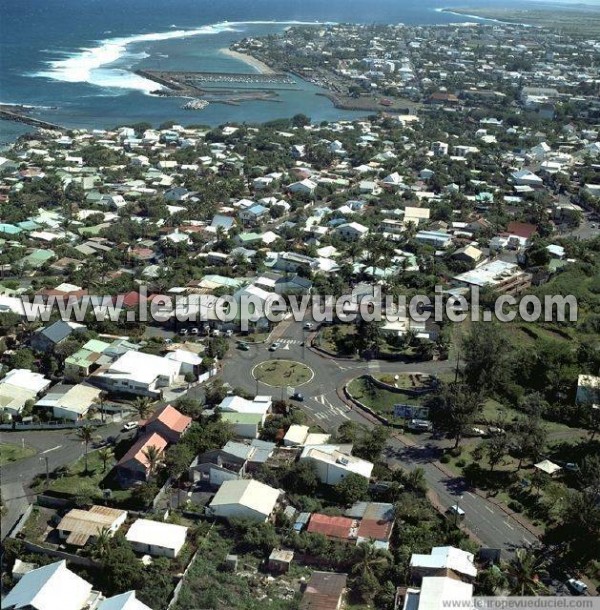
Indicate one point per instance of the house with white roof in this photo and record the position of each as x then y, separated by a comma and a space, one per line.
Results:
138, 373
19, 386
244, 499
333, 465
525, 177
260, 405
352, 231
306, 187
298, 435
443, 558
124, 601
51, 587
156, 538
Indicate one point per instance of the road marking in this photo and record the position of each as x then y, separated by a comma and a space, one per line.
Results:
488, 508
286, 346
508, 525
53, 449
526, 541
470, 494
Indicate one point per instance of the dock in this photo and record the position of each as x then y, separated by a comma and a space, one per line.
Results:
8, 113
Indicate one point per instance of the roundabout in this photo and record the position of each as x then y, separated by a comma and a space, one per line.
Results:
283, 373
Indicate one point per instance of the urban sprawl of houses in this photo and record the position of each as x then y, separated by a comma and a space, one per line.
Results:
396, 464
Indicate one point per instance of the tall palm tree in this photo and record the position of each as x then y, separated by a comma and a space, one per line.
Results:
153, 456
86, 435
143, 405
368, 559
101, 546
524, 572
105, 454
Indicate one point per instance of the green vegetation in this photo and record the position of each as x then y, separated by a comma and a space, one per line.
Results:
12, 453
379, 399
282, 373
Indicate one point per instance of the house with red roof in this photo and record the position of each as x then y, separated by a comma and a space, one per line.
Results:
521, 229
341, 529
169, 423
134, 465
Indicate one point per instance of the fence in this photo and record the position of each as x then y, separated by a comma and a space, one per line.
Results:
20, 524
42, 550
19, 426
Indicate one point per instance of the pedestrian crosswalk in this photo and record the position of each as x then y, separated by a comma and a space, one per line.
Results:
286, 343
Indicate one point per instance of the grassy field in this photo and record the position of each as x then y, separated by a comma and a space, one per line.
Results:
12, 453
282, 373
77, 482
577, 21
380, 400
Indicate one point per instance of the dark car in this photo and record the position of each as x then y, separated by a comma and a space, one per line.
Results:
298, 397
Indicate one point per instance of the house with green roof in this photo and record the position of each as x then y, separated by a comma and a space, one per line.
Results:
9, 229
245, 425
85, 360
37, 258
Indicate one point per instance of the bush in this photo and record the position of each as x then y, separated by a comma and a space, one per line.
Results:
461, 463
515, 506
455, 451
445, 459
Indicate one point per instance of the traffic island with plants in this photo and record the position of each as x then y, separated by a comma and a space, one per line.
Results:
282, 373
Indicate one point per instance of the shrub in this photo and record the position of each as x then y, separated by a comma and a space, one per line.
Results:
515, 506
445, 459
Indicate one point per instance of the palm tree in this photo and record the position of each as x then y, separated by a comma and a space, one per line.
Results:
101, 546
524, 572
143, 405
152, 455
105, 454
101, 400
368, 561
86, 435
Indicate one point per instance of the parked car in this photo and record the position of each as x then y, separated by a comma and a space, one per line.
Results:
243, 346
577, 586
495, 431
297, 396
194, 331
274, 346
229, 333
475, 432
457, 511
131, 425
419, 425
183, 332
308, 326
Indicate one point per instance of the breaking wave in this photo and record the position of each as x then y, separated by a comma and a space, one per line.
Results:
92, 65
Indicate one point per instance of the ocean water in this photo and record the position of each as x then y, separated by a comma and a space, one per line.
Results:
73, 60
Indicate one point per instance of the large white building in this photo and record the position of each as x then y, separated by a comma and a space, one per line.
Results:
332, 465
51, 587
138, 373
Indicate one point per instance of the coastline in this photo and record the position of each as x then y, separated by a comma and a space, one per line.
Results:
258, 65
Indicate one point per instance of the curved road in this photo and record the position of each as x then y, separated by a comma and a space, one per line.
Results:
488, 523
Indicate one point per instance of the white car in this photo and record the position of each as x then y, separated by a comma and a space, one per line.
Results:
308, 326
577, 586
274, 346
132, 425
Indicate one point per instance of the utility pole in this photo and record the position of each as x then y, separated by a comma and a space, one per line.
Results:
45, 458
457, 368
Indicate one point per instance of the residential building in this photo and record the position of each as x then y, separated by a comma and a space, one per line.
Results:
72, 403
332, 465
503, 277
46, 339
169, 423
340, 529
124, 601
18, 387
324, 591
134, 466
78, 527
138, 373
156, 538
245, 499
51, 587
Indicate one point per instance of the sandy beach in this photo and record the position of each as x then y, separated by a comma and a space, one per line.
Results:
249, 60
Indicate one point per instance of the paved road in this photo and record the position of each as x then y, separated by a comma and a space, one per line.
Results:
485, 520
59, 447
